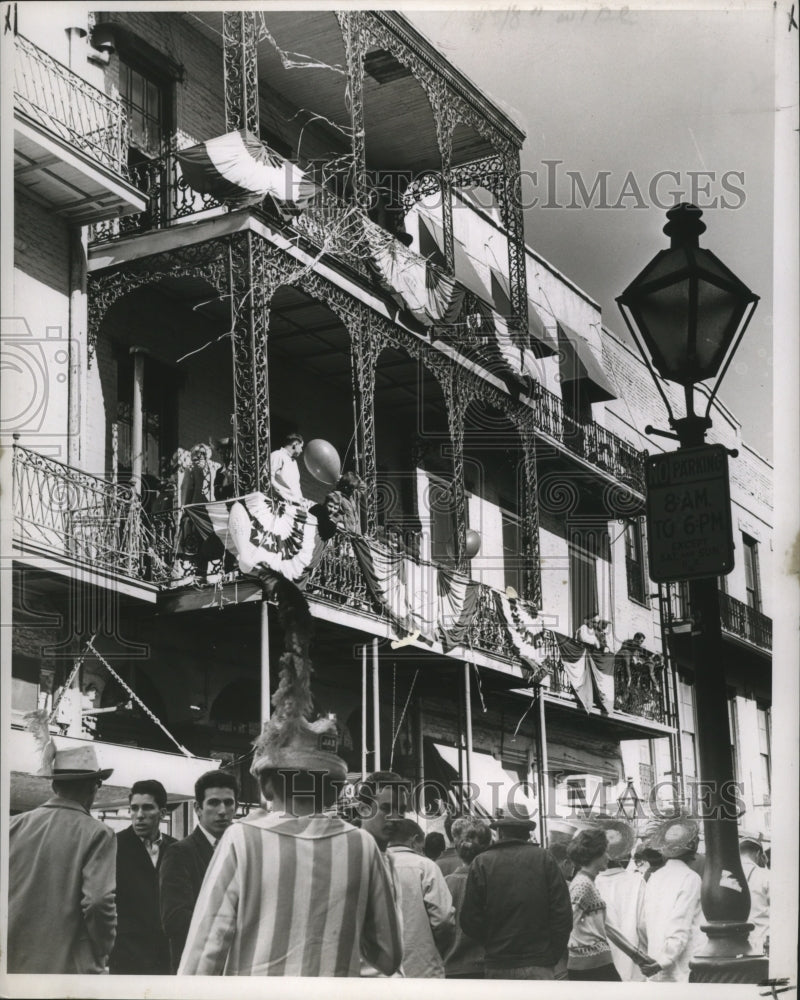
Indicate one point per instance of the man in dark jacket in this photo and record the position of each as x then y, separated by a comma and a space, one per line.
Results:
141, 946
216, 794
516, 904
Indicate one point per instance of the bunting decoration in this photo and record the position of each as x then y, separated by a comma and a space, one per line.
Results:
429, 294
437, 603
239, 168
525, 632
282, 536
588, 669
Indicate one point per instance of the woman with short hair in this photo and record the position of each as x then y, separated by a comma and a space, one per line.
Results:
589, 950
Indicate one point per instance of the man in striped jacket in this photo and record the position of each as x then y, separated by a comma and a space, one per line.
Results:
294, 892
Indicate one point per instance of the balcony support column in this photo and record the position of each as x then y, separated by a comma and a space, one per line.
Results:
252, 283
511, 208
78, 316
137, 419
532, 570
363, 360
355, 44
240, 67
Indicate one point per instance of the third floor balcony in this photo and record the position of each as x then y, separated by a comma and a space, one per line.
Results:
70, 140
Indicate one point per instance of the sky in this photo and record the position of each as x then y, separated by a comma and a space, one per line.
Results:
625, 95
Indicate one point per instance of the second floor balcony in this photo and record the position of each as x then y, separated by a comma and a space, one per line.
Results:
77, 519
70, 145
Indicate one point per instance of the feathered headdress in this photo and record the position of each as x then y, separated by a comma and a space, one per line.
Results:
288, 739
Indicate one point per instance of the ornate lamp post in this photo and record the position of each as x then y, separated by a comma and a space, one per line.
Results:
687, 313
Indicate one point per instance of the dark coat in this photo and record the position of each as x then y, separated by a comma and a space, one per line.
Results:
141, 946
182, 872
516, 904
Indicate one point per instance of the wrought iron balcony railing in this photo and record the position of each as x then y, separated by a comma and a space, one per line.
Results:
62, 512
740, 619
52, 96
327, 221
589, 440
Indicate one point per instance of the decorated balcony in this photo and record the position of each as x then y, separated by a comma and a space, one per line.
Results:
70, 140
69, 515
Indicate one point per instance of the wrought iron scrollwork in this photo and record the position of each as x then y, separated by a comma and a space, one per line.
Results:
239, 41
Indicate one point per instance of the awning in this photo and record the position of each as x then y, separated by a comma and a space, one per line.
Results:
578, 364
498, 788
543, 344
238, 167
176, 772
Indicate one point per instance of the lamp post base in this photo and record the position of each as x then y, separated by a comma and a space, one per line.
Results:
727, 957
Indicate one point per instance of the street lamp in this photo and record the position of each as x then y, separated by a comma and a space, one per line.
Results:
687, 313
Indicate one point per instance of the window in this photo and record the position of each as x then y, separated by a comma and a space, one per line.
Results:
145, 103
764, 740
512, 549
751, 576
688, 750
634, 562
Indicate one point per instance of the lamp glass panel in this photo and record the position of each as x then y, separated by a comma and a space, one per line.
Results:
661, 318
716, 309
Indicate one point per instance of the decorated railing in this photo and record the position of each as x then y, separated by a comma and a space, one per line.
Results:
51, 95
742, 620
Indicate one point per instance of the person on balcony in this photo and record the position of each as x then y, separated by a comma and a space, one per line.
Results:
629, 656
587, 633
223, 480
284, 471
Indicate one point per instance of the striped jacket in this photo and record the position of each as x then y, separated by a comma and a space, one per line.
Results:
290, 896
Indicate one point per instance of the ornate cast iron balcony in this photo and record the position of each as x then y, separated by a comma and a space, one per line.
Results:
742, 620
52, 96
60, 511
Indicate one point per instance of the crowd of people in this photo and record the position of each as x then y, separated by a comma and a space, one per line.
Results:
301, 888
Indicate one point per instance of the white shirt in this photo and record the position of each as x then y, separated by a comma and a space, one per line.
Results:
672, 917
285, 475
758, 884
623, 892
587, 635
209, 837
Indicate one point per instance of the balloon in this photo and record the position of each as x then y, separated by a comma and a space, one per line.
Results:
322, 461
473, 543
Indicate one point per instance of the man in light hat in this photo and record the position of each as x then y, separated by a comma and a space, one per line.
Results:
62, 916
294, 892
672, 909
751, 851
516, 904
623, 893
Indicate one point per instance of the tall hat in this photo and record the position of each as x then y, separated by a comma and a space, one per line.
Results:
619, 834
288, 740
674, 836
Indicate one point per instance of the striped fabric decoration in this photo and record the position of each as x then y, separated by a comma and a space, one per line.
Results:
438, 603
239, 168
261, 532
290, 896
429, 294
